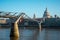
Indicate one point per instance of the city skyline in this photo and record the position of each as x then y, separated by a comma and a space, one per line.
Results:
31, 7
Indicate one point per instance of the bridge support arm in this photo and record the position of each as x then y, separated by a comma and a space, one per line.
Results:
14, 30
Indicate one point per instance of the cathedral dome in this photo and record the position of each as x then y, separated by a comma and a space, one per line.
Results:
46, 14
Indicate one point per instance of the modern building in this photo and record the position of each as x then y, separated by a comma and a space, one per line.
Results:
5, 22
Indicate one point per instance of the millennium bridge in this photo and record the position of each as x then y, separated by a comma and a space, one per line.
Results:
7, 19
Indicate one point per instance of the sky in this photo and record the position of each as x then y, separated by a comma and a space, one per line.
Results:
31, 7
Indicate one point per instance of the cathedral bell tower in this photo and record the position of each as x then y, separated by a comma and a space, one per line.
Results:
34, 16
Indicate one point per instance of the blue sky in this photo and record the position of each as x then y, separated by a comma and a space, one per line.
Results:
31, 6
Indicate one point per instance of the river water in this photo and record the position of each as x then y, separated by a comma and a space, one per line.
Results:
31, 34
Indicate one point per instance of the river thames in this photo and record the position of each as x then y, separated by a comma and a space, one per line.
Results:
31, 34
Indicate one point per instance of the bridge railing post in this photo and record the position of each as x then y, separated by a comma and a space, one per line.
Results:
40, 27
